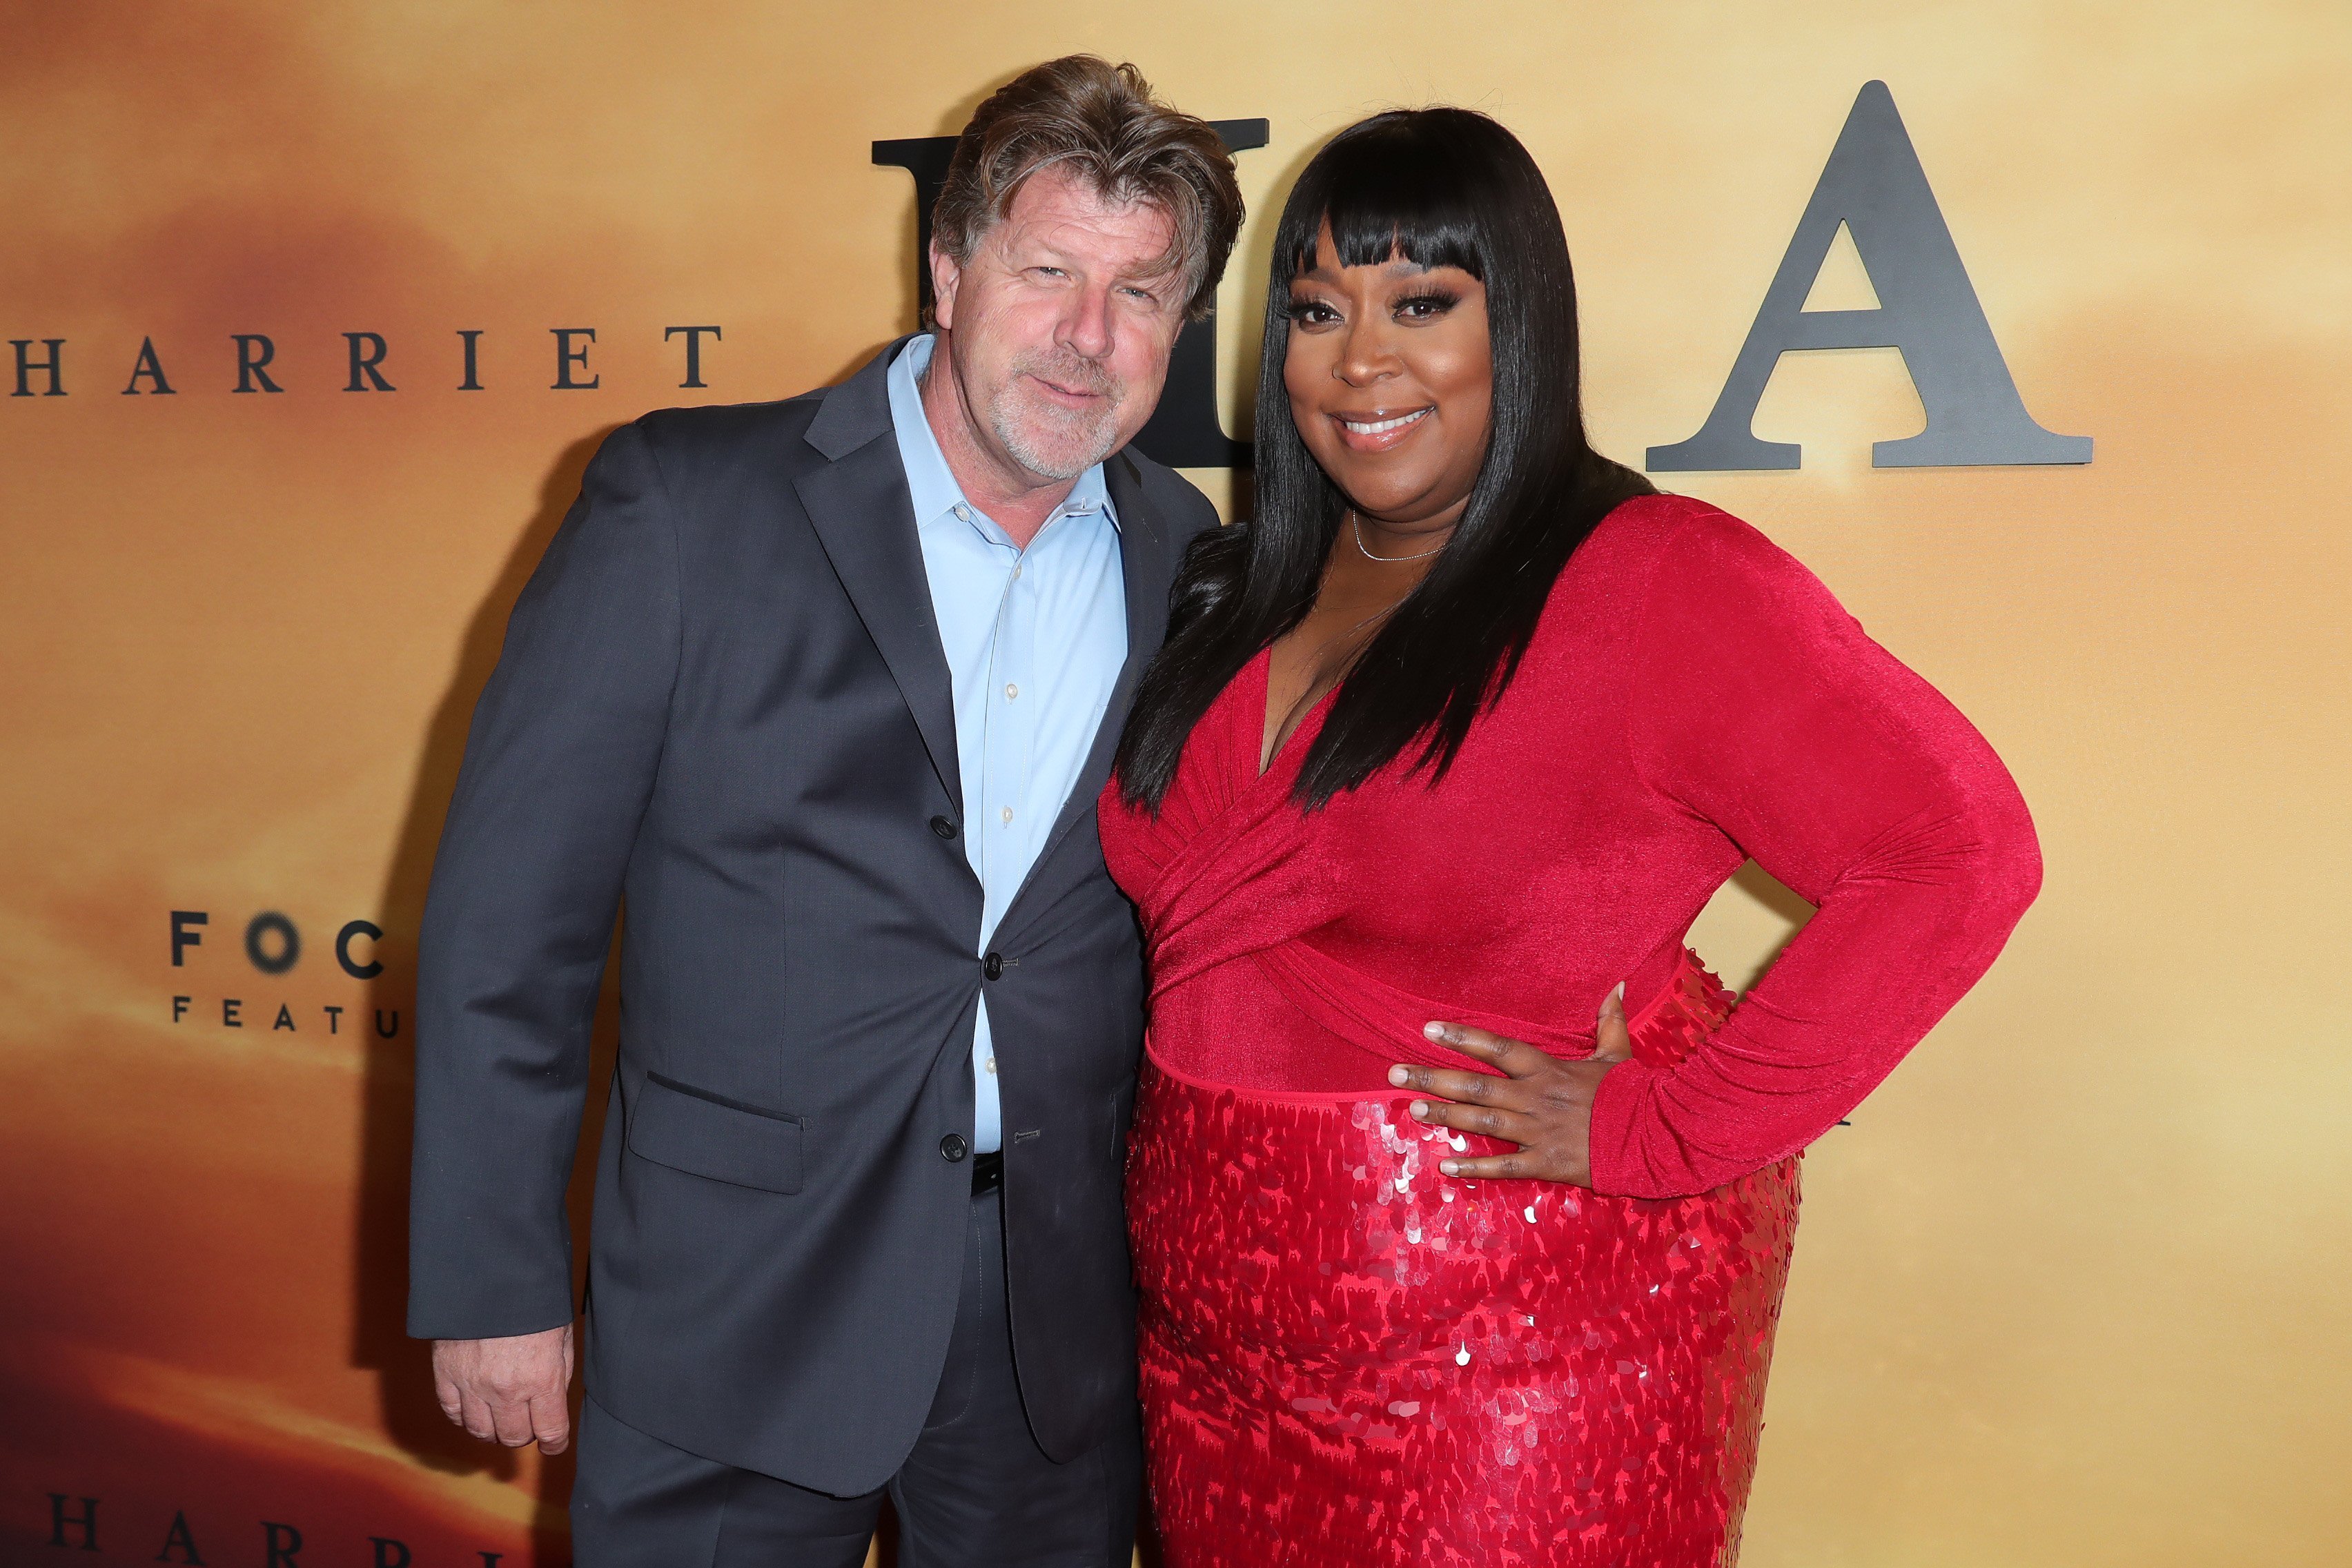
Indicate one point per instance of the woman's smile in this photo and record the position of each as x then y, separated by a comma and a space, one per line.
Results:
1379, 430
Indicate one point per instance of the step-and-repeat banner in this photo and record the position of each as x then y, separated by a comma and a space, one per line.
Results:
2024, 325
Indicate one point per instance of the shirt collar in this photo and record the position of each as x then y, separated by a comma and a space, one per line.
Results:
931, 483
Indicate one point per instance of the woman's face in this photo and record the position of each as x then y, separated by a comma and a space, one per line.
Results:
1392, 382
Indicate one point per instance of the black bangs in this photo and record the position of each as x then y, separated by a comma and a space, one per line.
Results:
1388, 189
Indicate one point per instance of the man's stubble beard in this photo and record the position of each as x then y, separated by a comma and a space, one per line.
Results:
1058, 443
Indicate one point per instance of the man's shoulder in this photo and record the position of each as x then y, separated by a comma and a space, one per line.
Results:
720, 433
787, 436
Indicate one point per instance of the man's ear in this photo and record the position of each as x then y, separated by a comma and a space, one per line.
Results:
945, 276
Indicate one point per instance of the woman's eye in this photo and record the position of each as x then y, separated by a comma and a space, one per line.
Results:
1426, 307
1312, 312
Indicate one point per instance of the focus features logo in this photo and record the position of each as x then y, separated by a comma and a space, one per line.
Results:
273, 946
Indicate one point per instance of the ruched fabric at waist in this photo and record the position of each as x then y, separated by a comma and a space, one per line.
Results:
1288, 1027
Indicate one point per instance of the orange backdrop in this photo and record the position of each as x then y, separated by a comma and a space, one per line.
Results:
2072, 1288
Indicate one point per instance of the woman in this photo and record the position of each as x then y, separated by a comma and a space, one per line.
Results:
1443, 753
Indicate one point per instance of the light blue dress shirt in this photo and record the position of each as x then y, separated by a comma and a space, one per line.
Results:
1034, 639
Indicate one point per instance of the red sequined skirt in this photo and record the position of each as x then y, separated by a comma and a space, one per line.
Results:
1348, 1358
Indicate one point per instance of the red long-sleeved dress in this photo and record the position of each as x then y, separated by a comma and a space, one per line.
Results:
1350, 1358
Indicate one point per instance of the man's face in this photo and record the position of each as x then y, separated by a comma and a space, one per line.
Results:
1060, 325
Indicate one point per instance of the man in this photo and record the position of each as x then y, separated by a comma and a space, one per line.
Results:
826, 689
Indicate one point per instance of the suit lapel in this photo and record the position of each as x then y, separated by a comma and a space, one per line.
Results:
1143, 552
859, 505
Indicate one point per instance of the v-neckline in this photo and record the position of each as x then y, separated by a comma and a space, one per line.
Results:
1257, 710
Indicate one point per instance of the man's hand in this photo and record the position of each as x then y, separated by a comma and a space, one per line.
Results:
1544, 1104
510, 1390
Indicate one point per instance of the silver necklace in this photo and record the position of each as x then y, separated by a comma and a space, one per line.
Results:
1357, 527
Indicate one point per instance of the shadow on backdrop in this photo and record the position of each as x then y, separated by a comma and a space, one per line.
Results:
412, 1417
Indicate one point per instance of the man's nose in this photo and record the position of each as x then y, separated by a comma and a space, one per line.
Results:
1088, 327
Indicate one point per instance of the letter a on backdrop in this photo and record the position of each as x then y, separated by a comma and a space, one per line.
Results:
1874, 187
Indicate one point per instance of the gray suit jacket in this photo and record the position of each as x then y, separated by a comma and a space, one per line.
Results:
722, 699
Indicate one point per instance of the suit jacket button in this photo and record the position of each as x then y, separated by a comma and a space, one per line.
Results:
954, 1147
943, 827
993, 966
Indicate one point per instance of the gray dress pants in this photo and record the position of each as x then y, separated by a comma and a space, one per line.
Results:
976, 1492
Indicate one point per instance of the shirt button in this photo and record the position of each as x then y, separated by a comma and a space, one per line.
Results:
964, 513
993, 966
943, 827
1011, 691
1016, 573
954, 1147
1008, 817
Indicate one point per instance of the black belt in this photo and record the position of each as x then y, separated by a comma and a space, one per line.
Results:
987, 1172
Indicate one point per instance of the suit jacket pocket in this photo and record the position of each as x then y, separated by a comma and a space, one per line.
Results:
705, 1134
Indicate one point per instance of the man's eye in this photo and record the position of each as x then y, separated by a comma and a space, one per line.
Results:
1049, 271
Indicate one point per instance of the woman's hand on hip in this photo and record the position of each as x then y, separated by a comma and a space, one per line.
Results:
1541, 1103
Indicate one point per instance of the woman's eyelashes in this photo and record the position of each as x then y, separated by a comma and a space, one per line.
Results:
1311, 312
1422, 305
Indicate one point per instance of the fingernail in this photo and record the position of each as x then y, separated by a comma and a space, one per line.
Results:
1421, 1108
1433, 1031
1619, 994
1451, 1167
1396, 1075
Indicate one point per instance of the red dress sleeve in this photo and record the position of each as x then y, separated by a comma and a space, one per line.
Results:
1758, 705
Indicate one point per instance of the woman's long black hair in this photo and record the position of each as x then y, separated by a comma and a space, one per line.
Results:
1439, 187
